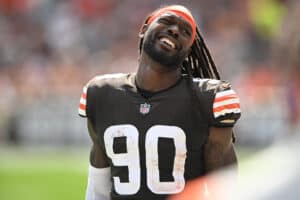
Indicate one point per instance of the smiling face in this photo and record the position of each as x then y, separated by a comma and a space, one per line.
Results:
167, 39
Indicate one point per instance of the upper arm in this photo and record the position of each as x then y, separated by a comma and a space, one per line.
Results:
221, 137
221, 104
86, 109
219, 150
98, 157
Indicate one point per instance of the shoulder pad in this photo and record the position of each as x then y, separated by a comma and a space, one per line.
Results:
212, 85
97, 81
102, 79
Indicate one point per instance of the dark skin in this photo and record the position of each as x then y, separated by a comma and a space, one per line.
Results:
153, 76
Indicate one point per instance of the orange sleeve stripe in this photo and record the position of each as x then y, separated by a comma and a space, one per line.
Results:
83, 95
228, 106
82, 106
232, 96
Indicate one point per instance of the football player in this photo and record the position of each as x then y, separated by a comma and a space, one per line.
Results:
169, 122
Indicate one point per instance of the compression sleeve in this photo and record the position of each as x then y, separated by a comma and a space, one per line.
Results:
99, 184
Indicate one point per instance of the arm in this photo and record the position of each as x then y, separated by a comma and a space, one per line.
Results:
97, 156
223, 110
99, 178
219, 151
99, 183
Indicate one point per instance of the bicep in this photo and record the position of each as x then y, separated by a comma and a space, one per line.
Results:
230, 158
218, 150
98, 157
220, 136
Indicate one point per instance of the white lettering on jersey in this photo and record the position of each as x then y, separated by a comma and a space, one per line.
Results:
152, 137
132, 158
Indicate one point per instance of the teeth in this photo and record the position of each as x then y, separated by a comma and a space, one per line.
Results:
168, 42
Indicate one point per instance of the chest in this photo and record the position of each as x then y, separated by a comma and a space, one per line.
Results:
153, 138
166, 120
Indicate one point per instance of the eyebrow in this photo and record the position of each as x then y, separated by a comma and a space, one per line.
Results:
174, 16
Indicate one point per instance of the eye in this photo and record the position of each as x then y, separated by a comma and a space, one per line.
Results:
187, 32
165, 21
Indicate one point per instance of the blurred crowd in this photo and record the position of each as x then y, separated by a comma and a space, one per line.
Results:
49, 49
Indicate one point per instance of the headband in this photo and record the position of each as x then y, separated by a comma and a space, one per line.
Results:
178, 10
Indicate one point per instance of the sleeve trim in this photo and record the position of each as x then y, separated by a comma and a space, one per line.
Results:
81, 112
226, 102
82, 104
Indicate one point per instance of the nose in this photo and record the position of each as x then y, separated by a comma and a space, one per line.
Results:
173, 30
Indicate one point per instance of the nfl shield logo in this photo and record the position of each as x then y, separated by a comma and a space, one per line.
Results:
144, 108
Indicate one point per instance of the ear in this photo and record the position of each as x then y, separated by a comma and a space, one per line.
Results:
143, 30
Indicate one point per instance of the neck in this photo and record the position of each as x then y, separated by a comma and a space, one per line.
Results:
153, 76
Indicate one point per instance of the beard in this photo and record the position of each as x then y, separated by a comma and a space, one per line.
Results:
172, 62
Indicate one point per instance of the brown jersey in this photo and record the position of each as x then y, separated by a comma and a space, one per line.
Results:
155, 145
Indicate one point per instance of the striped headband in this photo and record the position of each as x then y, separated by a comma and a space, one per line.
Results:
178, 10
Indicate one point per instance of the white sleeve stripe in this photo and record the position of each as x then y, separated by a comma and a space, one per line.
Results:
225, 93
84, 89
83, 101
227, 111
82, 112
226, 102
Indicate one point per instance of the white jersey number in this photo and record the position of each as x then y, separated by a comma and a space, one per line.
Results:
131, 158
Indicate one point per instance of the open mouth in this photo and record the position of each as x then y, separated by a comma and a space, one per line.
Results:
168, 42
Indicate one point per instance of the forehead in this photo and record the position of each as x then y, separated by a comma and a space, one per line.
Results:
173, 16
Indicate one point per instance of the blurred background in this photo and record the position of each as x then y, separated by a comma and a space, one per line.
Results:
50, 48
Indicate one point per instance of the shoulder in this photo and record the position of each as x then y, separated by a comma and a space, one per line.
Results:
96, 88
106, 80
223, 102
211, 85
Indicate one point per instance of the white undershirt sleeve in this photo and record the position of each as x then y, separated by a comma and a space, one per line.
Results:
99, 184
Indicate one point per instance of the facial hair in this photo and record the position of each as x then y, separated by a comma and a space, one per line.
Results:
170, 61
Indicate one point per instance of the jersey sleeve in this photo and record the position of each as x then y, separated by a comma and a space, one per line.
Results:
94, 91
219, 102
82, 103
87, 98
226, 108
